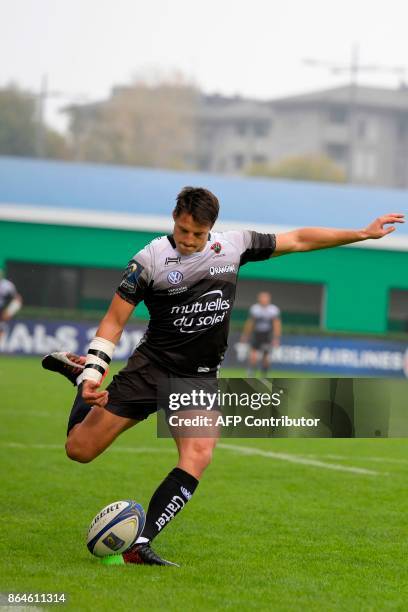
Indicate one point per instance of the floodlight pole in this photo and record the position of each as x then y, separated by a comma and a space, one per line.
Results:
354, 68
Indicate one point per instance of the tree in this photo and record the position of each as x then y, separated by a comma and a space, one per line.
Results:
307, 168
19, 127
142, 124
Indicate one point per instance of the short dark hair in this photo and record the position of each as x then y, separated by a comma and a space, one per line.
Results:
198, 202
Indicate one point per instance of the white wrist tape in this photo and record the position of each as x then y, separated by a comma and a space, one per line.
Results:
13, 307
98, 359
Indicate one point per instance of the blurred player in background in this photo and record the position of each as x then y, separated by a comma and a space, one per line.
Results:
187, 281
263, 328
10, 302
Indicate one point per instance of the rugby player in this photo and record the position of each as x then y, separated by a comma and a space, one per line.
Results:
10, 302
264, 328
187, 281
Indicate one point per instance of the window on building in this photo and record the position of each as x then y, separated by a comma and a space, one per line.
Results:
238, 161
338, 114
259, 159
361, 129
366, 130
208, 133
241, 128
365, 165
337, 152
402, 128
261, 128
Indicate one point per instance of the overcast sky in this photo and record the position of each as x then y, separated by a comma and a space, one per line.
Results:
249, 47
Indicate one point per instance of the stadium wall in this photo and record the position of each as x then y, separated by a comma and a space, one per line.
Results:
357, 281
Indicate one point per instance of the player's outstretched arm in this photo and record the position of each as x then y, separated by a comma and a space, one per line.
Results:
101, 350
314, 238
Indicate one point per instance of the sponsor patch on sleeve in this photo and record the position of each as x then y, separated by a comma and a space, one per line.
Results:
131, 275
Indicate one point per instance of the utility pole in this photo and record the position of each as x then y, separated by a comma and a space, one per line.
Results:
353, 69
40, 112
41, 98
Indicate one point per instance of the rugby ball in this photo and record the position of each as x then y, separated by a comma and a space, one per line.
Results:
115, 528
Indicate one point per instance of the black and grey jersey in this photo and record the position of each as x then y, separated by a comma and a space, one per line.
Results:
190, 297
8, 292
263, 317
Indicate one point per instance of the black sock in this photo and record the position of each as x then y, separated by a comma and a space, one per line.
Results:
79, 410
168, 499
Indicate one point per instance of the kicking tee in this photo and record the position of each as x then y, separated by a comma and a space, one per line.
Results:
190, 297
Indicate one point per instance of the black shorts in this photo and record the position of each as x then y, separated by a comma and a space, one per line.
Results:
261, 341
134, 391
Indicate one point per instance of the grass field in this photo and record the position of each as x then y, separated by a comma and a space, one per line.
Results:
263, 532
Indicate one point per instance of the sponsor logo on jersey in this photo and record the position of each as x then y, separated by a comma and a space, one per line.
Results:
177, 290
222, 269
175, 277
216, 247
172, 260
208, 310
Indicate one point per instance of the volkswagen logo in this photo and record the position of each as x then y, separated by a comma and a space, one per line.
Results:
175, 277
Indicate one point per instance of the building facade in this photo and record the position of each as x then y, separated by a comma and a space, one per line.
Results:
364, 130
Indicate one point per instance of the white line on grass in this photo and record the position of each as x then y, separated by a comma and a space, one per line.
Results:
29, 413
359, 458
247, 450
14, 608
243, 450
129, 449
114, 449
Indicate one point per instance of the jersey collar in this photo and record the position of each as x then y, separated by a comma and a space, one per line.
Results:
197, 254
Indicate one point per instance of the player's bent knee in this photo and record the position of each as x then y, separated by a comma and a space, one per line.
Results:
200, 452
79, 452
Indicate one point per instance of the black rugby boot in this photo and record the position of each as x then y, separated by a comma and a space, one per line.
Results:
63, 364
143, 554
